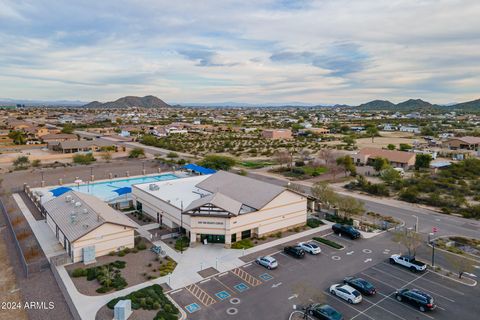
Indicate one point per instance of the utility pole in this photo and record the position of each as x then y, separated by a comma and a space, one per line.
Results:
181, 227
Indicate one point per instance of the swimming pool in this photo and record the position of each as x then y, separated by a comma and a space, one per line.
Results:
105, 190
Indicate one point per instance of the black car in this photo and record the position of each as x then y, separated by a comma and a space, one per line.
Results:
346, 230
295, 251
361, 285
324, 312
416, 298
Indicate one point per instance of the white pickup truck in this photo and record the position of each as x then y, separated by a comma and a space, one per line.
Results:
408, 262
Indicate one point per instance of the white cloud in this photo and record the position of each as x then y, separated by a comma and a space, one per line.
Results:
207, 51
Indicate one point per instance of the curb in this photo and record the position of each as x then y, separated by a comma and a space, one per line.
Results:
183, 314
453, 279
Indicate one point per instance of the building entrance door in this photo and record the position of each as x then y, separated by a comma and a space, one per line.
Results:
213, 238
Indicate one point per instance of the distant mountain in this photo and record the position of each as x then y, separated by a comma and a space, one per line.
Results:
130, 101
419, 105
413, 104
377, 105
467, 106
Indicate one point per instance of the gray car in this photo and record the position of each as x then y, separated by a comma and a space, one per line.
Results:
268, 262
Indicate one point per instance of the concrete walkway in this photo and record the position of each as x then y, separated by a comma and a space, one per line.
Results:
190, 262
45, 236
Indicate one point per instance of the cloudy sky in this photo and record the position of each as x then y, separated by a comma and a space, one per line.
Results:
326, 51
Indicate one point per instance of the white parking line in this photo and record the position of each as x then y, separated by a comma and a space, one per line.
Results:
392, 313
378, 280
433, 282
377, 303
417, 311
348, 304
172, 292
420, 287
247, 265
206, 280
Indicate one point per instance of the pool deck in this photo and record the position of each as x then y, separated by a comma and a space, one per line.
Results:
46, 190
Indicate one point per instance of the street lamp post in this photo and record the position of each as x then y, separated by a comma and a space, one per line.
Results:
416, 223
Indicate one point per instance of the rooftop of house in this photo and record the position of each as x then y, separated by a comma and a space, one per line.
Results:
77, 214
391, 155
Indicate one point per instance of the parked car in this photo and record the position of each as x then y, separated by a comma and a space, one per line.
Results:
361, 285
324, 312
408, 262
295, 251
310, 247
346, 230
268, 262
346, 292
416, 298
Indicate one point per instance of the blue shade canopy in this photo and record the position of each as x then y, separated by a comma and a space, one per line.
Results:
60, 190
199, 169
123, 190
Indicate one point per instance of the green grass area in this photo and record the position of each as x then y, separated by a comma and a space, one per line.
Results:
328, 242
303, 172
256, 164
243, 244
150, 298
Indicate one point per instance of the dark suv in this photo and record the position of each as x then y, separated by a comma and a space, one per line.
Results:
346, 230
416, 298
295, 251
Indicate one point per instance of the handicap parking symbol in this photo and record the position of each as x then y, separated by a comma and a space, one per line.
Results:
191, 308
222, 295
266, 277
241, 287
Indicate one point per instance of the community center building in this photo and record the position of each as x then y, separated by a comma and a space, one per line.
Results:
87, 227
222, 207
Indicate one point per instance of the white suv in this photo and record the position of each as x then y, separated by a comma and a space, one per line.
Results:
310, 247
268, 262
346, 292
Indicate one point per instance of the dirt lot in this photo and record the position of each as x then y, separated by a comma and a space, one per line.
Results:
101, 170
9, 292
134, 272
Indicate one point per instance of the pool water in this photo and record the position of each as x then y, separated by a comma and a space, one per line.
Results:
104, 190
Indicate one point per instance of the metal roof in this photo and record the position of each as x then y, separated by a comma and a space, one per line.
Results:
77, 214
251, 192
218, 200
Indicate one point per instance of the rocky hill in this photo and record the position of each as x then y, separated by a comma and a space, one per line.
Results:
130, 101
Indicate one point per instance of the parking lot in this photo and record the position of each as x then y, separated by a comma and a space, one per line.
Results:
453, 300
253, 292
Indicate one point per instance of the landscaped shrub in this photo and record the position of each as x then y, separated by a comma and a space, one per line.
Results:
79, 272
121, 253
150, 298
243, 244
313, 223
328, 242
141, 245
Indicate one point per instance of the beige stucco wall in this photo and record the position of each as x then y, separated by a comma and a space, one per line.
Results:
108, 237
287, 210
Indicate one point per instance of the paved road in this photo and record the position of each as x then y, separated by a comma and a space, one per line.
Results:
427, 219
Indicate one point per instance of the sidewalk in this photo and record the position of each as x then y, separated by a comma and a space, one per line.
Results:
190, 262
45, 236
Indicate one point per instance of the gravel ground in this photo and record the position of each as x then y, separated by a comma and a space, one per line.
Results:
133, 272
